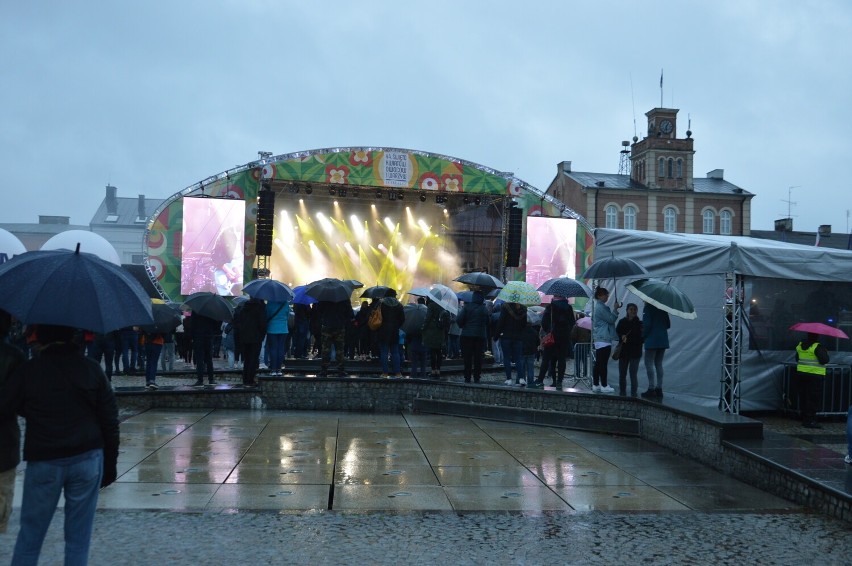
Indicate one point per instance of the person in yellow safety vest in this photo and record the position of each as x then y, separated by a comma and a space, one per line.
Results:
811, 358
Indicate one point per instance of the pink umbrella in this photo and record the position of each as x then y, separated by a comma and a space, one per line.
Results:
585, 322
819, 328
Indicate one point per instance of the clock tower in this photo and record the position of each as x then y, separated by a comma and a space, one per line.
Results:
661, 160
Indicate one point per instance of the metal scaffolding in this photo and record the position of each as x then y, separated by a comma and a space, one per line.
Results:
729, 398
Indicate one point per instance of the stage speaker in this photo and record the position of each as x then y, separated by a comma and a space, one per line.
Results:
513, 236
265, 219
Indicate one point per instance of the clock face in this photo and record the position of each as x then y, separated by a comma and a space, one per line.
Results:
666, 127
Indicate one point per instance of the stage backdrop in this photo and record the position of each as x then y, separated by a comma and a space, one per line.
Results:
406, 170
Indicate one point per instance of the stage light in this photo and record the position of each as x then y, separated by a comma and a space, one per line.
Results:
391, 195
331, 191
342, 191
378, 193
308, 189
466, 199
477, 201
422, 197
400, 195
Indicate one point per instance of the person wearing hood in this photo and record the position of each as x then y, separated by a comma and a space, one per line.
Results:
473, 321
434, 334
393, 315
509, 331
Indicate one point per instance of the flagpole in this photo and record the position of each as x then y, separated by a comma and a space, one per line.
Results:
661, 88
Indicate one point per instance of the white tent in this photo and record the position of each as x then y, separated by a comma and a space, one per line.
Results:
88, 241
10, 246
699, 265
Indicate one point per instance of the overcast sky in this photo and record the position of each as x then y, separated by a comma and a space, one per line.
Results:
155, 96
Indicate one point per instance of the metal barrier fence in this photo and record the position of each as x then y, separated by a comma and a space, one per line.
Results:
583, 362
836, 394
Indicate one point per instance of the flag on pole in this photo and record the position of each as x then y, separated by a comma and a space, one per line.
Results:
661, 78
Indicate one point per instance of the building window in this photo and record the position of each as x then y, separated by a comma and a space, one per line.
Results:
611, 216
709, 221
629, 218
662, 169
725, 223
670, 170
680, 168
669, 220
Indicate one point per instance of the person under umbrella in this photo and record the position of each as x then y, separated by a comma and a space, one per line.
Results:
603, 336
414, 327
811, 359
629, 330
393, 315
10, 433
558, 319
333, 317
436, 325
655, 334
249, 332
473, 321
204, 329
71, 441
509, 331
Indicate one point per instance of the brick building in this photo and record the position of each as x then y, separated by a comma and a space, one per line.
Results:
660, 193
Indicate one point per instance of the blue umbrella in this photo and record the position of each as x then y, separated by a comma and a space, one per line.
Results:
465, 296
300, 297
269, 290
565, 287
73, 289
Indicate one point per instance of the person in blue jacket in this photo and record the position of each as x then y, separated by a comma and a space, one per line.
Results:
277, 317
655, 332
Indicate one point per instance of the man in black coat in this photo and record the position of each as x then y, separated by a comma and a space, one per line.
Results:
249, 332
333, 317
204, 329
10, 433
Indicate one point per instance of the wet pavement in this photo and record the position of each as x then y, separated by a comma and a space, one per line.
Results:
295, 486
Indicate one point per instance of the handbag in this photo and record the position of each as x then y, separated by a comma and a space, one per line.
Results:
617, 352
549, 340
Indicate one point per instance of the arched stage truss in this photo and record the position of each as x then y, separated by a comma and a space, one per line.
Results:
475, 198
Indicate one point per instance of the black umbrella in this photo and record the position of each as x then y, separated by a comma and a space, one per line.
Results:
330, 289
480, 279
613, 268
375, 292
565, 287
73, 289
414, 317
167, 317
210, 305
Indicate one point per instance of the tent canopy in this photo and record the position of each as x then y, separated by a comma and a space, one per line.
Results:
666, 255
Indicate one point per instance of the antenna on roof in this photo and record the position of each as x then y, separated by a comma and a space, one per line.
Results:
633, 104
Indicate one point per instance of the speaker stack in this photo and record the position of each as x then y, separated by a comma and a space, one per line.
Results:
265, 219
513, 239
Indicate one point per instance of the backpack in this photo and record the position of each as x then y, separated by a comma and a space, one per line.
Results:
375, 320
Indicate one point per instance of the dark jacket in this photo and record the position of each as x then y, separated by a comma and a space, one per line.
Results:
435, 326
633, 330
393, 315
334, 315
473, 318
204, 326
68, 404
530, 340
655, 328
558, 318
250, 322
512, 321
10, 433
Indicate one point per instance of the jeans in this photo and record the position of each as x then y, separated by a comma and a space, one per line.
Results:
152, 356
472, 350
418, 351
393, 349
513, 351
654, 365
275, 349
453, 348
599, 371
168, 355
203, 353
128, 350
529, 367
79, 477
625, 364
496, 351
103, 348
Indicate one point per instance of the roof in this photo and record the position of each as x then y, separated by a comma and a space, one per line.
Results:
616, 181
837, 241
127, 212
696, 254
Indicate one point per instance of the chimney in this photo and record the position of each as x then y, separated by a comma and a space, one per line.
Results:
111, 200
784, 225
824, 230
565, 167
142, 213
716, 174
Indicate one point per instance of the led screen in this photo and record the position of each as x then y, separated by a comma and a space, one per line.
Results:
551, 248
213, 246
